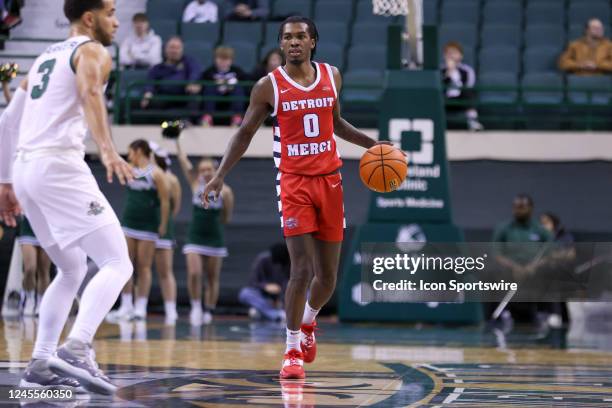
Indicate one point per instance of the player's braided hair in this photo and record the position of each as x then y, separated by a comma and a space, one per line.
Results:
312, 29
74, 9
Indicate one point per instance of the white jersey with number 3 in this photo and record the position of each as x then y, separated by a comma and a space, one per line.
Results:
53, 115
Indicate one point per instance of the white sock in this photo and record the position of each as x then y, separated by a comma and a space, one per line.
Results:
141, 305
196, 304
127, 301
30, 294
170, 308
293, 340
309, 314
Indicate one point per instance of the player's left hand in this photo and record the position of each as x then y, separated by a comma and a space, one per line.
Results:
9, 206
389, 143
214, 186
161, 231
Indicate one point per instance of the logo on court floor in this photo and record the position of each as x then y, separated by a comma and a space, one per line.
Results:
95, 208
197, 388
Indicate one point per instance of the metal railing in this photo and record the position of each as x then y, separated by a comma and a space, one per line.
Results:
539, 107
500, 106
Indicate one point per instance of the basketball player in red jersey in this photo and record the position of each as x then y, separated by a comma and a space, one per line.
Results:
302, 96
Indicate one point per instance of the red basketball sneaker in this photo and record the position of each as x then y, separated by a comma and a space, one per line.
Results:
308, 342
293, 365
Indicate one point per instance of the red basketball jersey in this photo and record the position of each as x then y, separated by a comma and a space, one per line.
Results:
304, 124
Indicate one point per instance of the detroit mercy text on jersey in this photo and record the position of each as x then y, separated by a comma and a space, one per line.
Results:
304, 140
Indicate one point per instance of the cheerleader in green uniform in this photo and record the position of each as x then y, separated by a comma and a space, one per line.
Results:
205, 248
164, 247
145, 218
36, 268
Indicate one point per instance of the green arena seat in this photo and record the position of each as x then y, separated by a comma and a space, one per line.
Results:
200, 51
245, 55
330, 52
539, 59
242, 32
165, 28
500, 35
498, 79
371, 57
542, 79
498, 59
207, 32
165, 9
292, 7
465, 12
369, 34
333, 10
578, 88
503, 13
545, 12
544, 35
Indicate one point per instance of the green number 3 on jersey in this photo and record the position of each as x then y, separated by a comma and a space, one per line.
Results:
46, 68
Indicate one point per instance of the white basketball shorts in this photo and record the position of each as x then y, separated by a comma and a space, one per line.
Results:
60, 196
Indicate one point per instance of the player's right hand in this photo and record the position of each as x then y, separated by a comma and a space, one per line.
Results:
9, 206
214, 186
116, 165
161, 231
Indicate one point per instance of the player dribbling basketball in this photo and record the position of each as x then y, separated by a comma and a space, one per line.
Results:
302, 96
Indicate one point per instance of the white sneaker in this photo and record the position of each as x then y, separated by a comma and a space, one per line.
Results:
196, 317
29, 306
139, 315
171, 318
207, 317
120, 314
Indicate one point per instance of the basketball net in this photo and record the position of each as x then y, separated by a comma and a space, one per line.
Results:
390, 7
412, 54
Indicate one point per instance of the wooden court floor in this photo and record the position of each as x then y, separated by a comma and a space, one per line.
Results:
234, 362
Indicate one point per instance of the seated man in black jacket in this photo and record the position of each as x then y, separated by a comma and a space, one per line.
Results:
225, 75
269, 277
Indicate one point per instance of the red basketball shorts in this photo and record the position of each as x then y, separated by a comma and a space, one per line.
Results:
311, 205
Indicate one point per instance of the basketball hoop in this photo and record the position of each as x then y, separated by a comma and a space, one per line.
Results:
412, 10
390, 7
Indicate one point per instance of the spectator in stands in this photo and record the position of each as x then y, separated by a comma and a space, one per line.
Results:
516, 259
226, 76
590, 54
459, 79
249, 10
176, 66
272, 60
11, 10
142, 48
201, 11
269, 277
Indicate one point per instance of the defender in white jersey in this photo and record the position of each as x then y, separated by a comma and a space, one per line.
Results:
60, 101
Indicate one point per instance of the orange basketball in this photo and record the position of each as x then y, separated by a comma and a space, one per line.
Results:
383, 168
